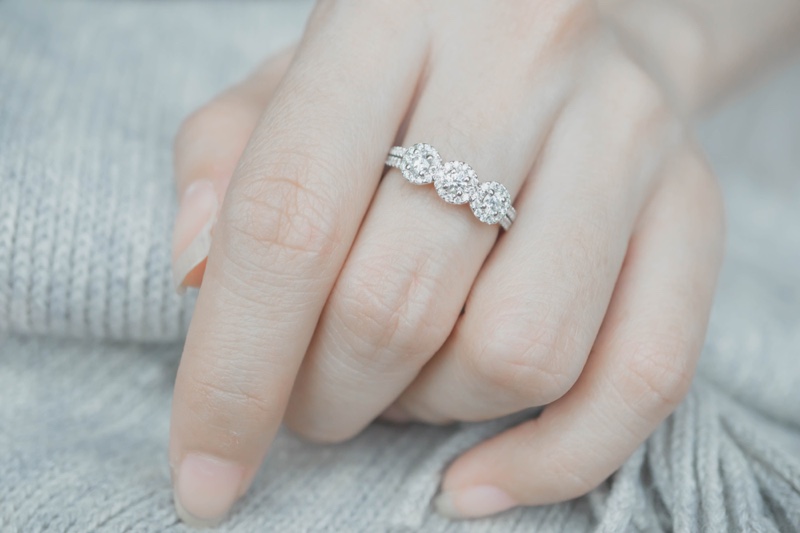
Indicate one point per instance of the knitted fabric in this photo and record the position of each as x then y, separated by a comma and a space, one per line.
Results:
91, 94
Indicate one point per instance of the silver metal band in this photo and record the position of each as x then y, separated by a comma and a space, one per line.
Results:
455, 182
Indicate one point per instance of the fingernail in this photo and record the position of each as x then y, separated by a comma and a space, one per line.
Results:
191, 239
206, 489
473, 502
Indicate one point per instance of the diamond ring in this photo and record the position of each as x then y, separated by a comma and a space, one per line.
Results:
455, 182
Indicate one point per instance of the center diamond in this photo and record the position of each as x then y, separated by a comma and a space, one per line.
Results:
457, 183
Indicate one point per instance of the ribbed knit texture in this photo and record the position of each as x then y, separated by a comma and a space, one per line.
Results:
91, 94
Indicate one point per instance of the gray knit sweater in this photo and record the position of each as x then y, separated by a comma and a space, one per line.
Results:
91, 94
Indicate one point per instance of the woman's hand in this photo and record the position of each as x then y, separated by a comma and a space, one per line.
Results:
331, 294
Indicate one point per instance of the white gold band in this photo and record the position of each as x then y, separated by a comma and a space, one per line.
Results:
455, 182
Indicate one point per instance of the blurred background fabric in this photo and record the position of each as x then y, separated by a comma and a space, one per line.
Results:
91, 95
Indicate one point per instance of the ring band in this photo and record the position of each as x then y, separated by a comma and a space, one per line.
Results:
455, 182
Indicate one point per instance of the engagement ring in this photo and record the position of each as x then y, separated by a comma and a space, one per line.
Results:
455, 182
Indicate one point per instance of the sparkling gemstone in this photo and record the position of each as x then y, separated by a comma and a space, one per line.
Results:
490, 202
456, 183
419, 163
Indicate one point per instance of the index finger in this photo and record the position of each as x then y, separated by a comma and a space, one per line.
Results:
292, 210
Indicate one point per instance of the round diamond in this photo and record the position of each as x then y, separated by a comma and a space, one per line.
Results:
491, 202
419, 163
456, 183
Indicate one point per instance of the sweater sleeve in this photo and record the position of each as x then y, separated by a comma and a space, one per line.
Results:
87, 197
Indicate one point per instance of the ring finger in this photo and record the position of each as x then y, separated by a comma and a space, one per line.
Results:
415, 258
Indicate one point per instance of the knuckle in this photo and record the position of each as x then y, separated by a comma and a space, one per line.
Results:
528, 359
388, 15
281, 217
650, 130
632, 92
391, 302
627, 90
227, 406
657, 375
539, 34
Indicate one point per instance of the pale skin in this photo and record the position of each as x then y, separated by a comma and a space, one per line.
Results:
333, 296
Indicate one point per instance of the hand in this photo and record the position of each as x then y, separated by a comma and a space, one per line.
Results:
330, 294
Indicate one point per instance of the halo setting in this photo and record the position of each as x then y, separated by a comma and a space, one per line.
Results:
491, 202
455, 182
419, 163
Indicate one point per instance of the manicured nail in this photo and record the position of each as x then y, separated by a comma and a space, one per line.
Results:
191, 239
206, 489
473, 502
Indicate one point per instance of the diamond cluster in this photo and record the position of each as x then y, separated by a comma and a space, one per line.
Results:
455, 181
419, 163
491, 202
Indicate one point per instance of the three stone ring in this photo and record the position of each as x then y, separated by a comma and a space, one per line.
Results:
455, 182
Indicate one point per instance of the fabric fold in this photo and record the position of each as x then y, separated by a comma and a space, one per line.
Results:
91, 328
